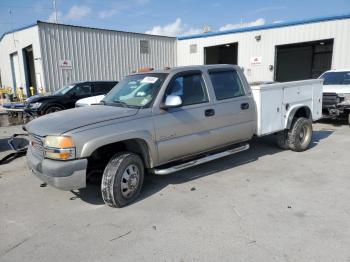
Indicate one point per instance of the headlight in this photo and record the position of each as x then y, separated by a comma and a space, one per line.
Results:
35, 105
59, 147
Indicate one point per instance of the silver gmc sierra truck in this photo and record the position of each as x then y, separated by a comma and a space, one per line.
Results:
163, 121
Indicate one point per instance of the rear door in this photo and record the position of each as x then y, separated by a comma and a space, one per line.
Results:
235, 114
183, 131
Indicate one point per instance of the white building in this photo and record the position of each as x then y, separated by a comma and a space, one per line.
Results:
49, 56
276, 52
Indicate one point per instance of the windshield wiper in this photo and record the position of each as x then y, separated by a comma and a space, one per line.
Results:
118, 102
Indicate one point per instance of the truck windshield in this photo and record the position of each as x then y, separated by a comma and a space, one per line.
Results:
135, 90
336, 78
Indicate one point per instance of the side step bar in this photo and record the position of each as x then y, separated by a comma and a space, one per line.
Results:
199, 161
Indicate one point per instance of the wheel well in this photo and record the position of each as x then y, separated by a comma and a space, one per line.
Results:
53, 104
101, 156
303, 111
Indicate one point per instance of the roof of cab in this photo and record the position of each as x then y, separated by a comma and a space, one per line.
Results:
186, 68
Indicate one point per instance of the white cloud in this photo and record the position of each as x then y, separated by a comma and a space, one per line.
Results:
278, 21
77, 12
260, 21
120, 6
174, 29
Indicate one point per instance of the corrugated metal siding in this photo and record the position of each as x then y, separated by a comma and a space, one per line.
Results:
248, 47
98, 54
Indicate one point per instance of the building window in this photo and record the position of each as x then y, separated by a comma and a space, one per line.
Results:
144, 46
193, 49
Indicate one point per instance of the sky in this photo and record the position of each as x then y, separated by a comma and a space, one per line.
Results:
162, 17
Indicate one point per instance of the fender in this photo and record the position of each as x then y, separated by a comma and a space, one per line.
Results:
306, 112
144, 136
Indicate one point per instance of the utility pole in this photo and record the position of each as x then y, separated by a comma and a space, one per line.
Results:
55, 10
12, 28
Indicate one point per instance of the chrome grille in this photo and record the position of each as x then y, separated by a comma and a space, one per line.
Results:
37, 144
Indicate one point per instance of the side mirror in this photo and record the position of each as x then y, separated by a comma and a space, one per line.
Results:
172, 101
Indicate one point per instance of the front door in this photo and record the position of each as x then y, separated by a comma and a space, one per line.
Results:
77, 92
183, 131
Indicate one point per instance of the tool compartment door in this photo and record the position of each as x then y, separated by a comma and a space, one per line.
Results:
269, 109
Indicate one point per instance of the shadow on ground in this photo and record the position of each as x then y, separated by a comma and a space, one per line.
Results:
153, 183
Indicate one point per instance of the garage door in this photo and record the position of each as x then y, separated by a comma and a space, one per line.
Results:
303, 60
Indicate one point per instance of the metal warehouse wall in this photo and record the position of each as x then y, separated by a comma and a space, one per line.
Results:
248, 47
98, 54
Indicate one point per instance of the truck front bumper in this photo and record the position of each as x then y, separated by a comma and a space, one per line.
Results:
64, 175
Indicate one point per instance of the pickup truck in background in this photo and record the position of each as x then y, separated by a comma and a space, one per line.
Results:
163, 121
336, 94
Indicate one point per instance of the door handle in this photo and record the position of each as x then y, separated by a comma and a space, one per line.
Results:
209, 112
244, 106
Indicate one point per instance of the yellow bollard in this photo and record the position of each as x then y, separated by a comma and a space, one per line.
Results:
31, 90
21, 93
42, 91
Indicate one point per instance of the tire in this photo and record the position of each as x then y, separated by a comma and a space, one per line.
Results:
282, 140
52, 109
349, 119
123, 173
300, 134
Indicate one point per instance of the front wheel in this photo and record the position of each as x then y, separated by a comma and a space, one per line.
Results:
122, 179
53, 109
300, 134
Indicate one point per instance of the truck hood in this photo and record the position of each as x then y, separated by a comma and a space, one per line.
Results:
67, 120
339, 89
41, 98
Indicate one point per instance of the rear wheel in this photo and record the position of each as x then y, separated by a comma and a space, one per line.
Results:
122, 179
349, 119
300, 134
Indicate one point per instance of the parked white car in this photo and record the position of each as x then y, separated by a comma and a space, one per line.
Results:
88, 101
336, 94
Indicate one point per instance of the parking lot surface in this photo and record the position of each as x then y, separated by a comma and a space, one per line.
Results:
260, 205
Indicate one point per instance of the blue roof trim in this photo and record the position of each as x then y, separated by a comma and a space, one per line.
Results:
16, 30
269, 26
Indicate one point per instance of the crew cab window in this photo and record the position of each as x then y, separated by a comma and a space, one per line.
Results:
190, 88
226, 84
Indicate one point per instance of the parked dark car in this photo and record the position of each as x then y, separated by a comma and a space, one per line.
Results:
65, 97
